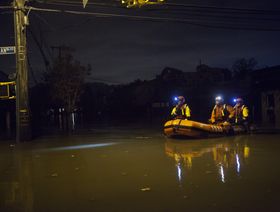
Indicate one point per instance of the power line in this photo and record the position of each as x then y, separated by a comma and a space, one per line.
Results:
180, 5
78, 4
220, 11
154, 18
6, 7
32, 71
224, 8
237, 16
220, 15
40, 47
204, 13
171, 6
178, 20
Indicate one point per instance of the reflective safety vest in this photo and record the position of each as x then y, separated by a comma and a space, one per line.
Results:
184, 111
240, 114
215, 116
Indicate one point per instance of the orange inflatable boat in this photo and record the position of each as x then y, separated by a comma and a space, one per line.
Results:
193, 129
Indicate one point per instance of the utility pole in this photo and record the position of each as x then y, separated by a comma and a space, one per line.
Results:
23, 128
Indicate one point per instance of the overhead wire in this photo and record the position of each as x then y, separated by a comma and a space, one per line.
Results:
220, 14
165, 5
171, 6
198, 16
224, 8
190, 11
32, 71
210, 23
6, 7
155, 18
78, 4
195, 13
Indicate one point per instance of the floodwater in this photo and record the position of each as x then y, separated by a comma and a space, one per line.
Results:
140, 170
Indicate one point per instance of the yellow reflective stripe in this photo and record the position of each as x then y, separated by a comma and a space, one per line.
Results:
235, 114
173, 111
188, 111
213, 114
185, 111
223, 112
245, 112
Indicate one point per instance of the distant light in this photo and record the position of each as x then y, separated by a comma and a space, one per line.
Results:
175, 98
234, 100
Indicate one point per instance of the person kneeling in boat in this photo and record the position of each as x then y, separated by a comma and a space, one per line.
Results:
221, 112
181, 110
240, 113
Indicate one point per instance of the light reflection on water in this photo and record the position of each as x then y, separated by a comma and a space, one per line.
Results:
237, 163
76, 147
222, 174
226, 156
179, 172
154, 174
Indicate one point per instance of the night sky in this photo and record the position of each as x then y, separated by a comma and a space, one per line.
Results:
121, 50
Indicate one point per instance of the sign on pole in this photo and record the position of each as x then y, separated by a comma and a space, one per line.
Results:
7, 50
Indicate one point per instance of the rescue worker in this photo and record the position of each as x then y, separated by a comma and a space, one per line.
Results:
221, 112
240, 113
181, 110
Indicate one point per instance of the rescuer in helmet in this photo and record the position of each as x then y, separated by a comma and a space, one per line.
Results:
221, 112
181, 110
240, 112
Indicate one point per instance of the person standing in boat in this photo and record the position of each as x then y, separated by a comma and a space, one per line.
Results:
181, 110
221, 112
240, 113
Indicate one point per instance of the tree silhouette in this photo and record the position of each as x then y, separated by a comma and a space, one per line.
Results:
66, 80
243, 66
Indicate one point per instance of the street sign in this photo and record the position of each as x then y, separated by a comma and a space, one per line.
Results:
7, 50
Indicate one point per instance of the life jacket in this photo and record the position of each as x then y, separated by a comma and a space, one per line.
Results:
239, 115
225, 112
183, 111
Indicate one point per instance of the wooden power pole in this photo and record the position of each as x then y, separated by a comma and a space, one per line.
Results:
23, 128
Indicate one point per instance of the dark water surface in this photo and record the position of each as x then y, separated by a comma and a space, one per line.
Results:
141, 170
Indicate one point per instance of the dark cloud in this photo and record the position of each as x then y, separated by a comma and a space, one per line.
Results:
122, 50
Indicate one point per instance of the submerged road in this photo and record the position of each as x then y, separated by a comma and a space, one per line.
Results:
140, 170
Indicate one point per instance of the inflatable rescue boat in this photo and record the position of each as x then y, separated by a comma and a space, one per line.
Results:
192, 129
